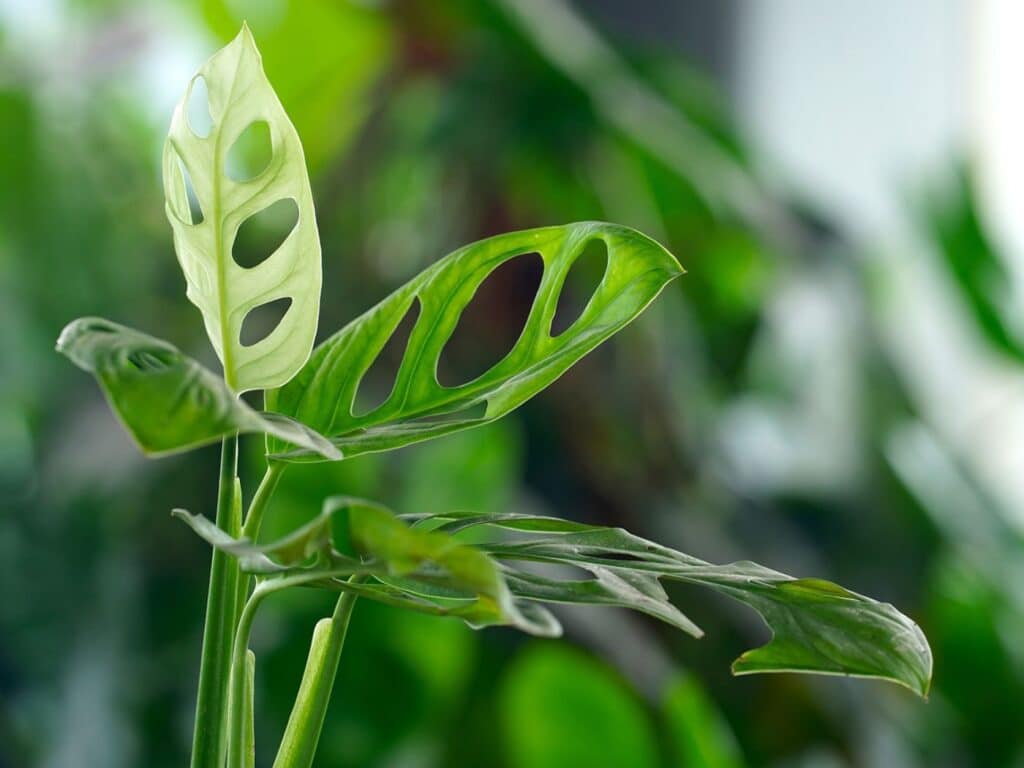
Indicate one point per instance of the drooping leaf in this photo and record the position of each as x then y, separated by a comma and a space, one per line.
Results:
324, 391
167, 401
423, 570
817, 626
240, 97
499, 568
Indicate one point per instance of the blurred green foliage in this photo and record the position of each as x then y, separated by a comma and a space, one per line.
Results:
719, 423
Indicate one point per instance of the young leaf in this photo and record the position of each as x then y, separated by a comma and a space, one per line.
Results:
167, 401
324, 391
240, 96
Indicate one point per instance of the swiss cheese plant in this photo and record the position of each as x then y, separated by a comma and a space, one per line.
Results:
487, 568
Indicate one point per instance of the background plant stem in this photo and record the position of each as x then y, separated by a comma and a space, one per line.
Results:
208, 741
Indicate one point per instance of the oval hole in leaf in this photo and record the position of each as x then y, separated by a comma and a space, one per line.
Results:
379, 380
250, 155
261, 321
585, 275
492, 322
194, 214
263, 233
198, 109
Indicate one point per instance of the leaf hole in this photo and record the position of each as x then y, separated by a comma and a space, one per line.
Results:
250, 155
378, 382
585, 275
194, 214
260, 235
261, 321
492, 322
197, 108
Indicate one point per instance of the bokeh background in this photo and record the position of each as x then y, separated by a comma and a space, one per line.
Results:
835, 389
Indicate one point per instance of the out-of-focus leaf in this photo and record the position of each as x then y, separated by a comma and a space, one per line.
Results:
699, 735
977, 268
323, 393
423, 570
561, 709
346, 47
240, 97
167, 401
817, 626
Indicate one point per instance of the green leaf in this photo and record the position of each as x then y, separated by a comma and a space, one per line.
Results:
505, 565
698, 733
167, 401
240, 96
562, 709
324, 391
426, 571
817, 626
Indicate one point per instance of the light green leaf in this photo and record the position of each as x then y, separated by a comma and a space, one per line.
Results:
240, 96
426, 571
817, 626
167, 401
324, 392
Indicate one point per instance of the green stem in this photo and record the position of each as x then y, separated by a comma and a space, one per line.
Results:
251, 528
302, 734
208, 740
237, 725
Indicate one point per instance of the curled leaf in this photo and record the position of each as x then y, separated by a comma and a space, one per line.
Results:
167, 401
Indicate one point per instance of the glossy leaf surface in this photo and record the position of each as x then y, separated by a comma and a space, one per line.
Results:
322, 395
166, 400
240, 96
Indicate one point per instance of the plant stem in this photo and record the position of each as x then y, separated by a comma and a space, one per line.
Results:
302, 734
237, 725
208, 741
251, 527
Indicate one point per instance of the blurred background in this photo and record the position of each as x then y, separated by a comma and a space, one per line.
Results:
835, 389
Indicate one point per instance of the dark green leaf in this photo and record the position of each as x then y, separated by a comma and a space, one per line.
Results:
324, 391
817, 626
516, 561
167, 401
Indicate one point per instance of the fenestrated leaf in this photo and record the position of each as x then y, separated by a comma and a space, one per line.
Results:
324, 391
240, 96
817, 626
423, 570
167, 401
